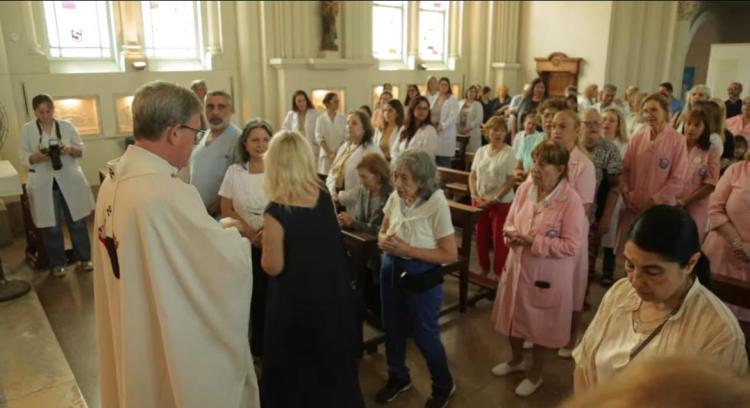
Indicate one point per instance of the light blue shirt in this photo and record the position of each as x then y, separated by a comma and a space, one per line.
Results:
528, 143
209, 163
675, 106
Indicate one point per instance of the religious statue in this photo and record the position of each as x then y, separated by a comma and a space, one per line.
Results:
330, 9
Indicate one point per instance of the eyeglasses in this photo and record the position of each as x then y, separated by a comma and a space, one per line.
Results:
199, 133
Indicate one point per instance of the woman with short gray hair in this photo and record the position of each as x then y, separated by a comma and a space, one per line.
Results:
416, 238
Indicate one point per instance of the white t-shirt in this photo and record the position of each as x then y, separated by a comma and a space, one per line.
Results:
246, 192
421, 232
492, 171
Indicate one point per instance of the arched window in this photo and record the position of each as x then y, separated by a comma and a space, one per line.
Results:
389, 30
433, 30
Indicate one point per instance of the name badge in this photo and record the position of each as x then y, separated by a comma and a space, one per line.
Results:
553, 232
703, 172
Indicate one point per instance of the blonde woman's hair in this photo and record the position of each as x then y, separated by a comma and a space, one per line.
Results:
689, 105
576, 122
723, 114
290, 172
492, 123
622, 129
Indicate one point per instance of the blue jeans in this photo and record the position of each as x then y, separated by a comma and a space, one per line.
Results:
420, 311
443, 161
54, 241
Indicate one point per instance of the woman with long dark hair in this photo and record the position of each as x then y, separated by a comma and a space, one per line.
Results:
418, 133
662, 308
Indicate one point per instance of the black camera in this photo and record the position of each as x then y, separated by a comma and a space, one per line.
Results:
54, 149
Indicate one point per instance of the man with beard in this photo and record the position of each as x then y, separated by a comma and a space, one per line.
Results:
215, 153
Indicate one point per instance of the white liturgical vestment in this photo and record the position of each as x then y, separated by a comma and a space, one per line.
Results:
172, 295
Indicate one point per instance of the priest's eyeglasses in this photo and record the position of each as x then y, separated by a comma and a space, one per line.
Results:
199, 133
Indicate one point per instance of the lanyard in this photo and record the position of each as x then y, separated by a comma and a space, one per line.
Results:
653, 334
54, 125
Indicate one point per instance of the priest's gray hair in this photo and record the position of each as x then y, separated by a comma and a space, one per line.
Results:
158, 105
422, 168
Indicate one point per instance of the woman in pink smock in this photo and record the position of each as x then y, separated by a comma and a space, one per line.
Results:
544, 231
740, 124
582, 177
703, 169
655, 166
728, 243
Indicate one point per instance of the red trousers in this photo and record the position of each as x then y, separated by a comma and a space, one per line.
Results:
490, 229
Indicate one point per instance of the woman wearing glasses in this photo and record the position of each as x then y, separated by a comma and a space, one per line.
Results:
243, 199
57, 188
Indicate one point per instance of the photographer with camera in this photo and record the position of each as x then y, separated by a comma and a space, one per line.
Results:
56, 185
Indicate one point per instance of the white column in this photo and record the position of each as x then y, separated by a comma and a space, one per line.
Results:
213, 23
35, 47
132, 36
505, 23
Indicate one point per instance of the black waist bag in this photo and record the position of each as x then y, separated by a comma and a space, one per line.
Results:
421, 282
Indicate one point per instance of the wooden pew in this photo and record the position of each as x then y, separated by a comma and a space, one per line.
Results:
458, 159
456, 182
464, 217
732, 291
469, 160
363, 247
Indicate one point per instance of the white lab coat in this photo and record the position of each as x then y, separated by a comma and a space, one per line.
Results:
333, 133
348, 196
172, 329
446, 145
474, 122
291, 123
424, 139
70, 178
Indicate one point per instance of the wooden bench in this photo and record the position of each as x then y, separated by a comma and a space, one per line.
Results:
733, 291
362, 248
469, 157
456, 182
457, 162
464, 217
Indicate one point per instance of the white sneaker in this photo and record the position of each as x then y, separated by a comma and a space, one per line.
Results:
58, 271
86, 266
504, 369
527, 345
565, 352
526, 387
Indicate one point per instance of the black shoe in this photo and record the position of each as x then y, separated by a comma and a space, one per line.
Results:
440, 400
391, 390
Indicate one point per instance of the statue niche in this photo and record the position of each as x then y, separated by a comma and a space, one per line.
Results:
329, 11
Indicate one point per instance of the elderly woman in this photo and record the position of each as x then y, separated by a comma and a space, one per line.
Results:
655, 166
662, 308
702, 169
243, 200
418, 133
416, 237
444, 113
302, 118
544, 231
470, 117
58, 191
588, 98
330, 131
343, 180
608, 165
310, 351
373, 191
392, 124
491, 185
728, 243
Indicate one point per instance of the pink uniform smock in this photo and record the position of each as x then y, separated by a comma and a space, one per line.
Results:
730, 202
654, 171
702, 169
535, 293
582, 177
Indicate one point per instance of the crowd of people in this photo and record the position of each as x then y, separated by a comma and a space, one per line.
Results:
244, 265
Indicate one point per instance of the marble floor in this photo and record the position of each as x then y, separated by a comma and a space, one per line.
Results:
472, 345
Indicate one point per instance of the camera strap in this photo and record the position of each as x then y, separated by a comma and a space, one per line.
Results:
55, 125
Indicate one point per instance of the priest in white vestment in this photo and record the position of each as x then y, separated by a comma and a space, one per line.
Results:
172, 288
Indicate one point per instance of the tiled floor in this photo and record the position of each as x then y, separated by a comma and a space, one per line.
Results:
472, 346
